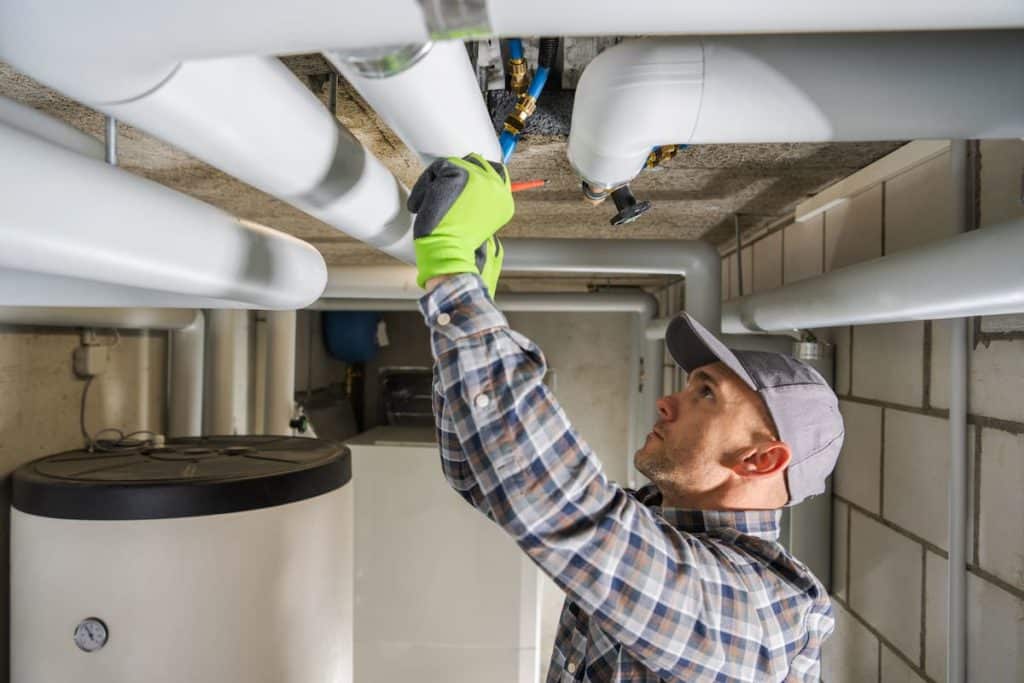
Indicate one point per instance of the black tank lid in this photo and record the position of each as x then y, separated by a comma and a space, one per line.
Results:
186, 477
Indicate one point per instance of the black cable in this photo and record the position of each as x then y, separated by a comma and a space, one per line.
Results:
547, 51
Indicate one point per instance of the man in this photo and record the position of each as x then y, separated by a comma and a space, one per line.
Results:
683, 580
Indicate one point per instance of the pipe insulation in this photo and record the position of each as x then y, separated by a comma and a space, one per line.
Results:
959, 380
185, 378
119, 229
280, 383
106, 318
434, 105
976, 273
28, 120
734, 89
697, 261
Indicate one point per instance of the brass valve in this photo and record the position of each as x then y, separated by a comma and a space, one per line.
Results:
660, 155
517, 75
515, 122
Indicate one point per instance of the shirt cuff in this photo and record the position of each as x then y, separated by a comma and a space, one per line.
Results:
458, 308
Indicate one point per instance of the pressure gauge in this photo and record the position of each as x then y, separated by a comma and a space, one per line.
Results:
91, 634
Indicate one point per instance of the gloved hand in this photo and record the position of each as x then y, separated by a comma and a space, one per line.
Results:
459, 205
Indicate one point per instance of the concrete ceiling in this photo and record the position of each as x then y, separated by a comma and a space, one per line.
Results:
695, 195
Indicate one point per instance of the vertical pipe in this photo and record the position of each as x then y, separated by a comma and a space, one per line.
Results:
259, 365
280, 392
185, 394
956, 634
739, 251
227, 376
110, 140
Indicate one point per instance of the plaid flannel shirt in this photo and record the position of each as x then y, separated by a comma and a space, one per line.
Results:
652, 594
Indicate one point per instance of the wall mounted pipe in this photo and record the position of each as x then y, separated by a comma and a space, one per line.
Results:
106, 318
959, 378
227, 373
93, 233
731, 89
34, 122
434, 105
977, 273
697, 261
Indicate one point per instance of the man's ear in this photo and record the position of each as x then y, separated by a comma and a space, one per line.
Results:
763, 459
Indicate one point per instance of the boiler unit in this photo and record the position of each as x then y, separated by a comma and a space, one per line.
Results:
205, 560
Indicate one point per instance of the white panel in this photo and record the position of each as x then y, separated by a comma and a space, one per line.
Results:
888, 363
768, 262
858, 469
853, 230
803, 249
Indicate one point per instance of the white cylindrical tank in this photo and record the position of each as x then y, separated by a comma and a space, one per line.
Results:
209, 560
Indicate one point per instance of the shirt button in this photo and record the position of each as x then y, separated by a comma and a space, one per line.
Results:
444, 319
482, 400
571, 667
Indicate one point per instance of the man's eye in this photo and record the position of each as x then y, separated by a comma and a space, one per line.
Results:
706, 392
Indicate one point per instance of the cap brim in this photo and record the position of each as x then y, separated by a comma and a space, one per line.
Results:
692, 346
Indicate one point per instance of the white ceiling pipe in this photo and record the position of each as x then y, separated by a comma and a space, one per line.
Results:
185, 378
107, 318
558, 302
647, 17
732, 89
978, 273
434, 105
697, 261
34, 122
112, 227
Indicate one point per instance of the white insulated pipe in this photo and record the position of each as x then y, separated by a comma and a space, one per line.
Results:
734, 89
976, 273
116, 228
106, 318
28, 120
434, 105
959, 378
280, 386
227, 373
185, 378
697, 261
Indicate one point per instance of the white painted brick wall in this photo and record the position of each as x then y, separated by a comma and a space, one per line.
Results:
919, 206
885, 582
725, 279
916, 474
840, 522
851, 654
1002, 163
935, 606
997, 375
1013, 322
841, 338
768, 262
995, 633
803, 249
853, 230
888, 362
1001, 529
748, 273
858, 471
895, 670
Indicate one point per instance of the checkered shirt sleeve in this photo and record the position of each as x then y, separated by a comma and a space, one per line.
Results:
687, 606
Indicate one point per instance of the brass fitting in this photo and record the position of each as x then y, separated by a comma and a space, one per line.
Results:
517, 75
516, 121
659, 156
593, 194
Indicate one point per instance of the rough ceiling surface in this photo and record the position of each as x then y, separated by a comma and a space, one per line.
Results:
695, 195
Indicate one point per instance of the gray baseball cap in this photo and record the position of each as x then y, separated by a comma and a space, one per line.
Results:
800, 401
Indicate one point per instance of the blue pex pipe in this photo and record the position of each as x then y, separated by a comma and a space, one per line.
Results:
540, 78
508, 140
508, 145
515, 48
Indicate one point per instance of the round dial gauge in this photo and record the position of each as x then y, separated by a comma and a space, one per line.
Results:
91, 634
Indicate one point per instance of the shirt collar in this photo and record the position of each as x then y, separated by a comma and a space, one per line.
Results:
760, 523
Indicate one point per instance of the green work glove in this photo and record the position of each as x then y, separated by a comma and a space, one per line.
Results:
459, 205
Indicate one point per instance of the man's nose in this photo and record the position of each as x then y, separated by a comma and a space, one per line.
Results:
665, 408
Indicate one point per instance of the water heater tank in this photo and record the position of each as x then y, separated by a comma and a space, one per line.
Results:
207, 560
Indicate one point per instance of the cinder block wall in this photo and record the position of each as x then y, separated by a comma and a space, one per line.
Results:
890, 503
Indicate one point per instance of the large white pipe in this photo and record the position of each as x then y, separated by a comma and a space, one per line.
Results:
107, 318
434, 105
697, 261
280, 387
731, 89
34, 122
112, 227
185, 378
977, 273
